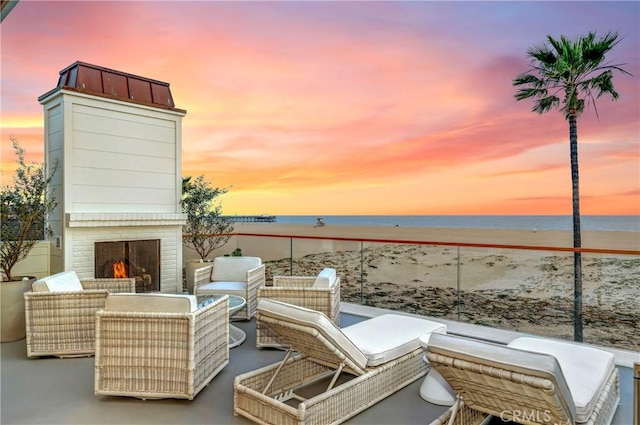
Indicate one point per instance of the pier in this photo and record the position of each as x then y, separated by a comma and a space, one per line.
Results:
263, 218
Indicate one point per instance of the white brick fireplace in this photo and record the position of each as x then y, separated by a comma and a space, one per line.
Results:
117, 139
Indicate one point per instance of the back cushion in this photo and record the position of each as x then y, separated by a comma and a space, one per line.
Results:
333, 337
152, 303
233, 269
59, 282
326, 278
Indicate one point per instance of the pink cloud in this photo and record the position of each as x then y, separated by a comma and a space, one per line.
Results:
336, 98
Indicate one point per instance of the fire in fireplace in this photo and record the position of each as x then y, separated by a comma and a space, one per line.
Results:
138, 259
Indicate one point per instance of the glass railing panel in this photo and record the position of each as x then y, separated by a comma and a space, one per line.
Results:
307, 257
611, 300
275, 253
520, 290
412, 278
312, 255
526, 290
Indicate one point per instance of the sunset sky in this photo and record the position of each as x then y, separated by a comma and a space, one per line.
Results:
326, 108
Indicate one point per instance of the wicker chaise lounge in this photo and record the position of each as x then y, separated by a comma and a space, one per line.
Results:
530, 381
320, 293
159, 345
337, 373
60, 313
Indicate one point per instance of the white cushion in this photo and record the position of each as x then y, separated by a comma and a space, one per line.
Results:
387, 337
152, 303
317, 320
585, 369
233, 269
59, 282
212, 287
325, 279
39, 286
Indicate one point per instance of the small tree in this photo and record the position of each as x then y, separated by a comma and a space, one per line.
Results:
205, 229
24, 209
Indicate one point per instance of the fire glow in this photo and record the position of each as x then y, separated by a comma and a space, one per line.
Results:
119, 270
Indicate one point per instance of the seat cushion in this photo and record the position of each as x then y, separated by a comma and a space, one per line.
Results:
223, 288
151, 303
60, 282
387, 337
233, 269
585, 369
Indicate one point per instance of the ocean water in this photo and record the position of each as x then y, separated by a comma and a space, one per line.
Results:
615, 223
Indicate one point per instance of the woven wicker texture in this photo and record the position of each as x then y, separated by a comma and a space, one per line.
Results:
63, 323
514, 396
255, 279
297, 290
160, 355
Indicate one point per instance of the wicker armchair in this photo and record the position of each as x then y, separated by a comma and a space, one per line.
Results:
320, 293
241, 276
60, 313
159, 345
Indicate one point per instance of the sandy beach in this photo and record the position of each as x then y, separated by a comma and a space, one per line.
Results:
510, 288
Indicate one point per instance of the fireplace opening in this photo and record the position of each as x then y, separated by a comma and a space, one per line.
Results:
137, 259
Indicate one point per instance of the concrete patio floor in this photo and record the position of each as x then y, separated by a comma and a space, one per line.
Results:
60, 391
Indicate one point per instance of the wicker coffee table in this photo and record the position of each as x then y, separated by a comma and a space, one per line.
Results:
236, 335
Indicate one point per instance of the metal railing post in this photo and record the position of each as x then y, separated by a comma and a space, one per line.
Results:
361, 272
290, 256
636, 394
458, 281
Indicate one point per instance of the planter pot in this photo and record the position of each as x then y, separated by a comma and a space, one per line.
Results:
190, 266
12, 312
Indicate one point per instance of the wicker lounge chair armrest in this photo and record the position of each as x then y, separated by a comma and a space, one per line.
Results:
68, 304
202, 275
62, 295
142, 315
282, 291
256, 271
255, 278
112, 285
82, 301
294, 281
218, 308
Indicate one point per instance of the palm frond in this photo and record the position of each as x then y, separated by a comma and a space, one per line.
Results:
572, 70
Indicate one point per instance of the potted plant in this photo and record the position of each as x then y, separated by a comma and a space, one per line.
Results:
24, 208
205, 229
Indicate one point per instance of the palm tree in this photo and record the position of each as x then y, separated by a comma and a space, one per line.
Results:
576, 71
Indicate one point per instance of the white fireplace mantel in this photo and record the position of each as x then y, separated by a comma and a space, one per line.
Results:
124, 219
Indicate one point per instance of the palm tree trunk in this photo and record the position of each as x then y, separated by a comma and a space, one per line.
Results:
577, 243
